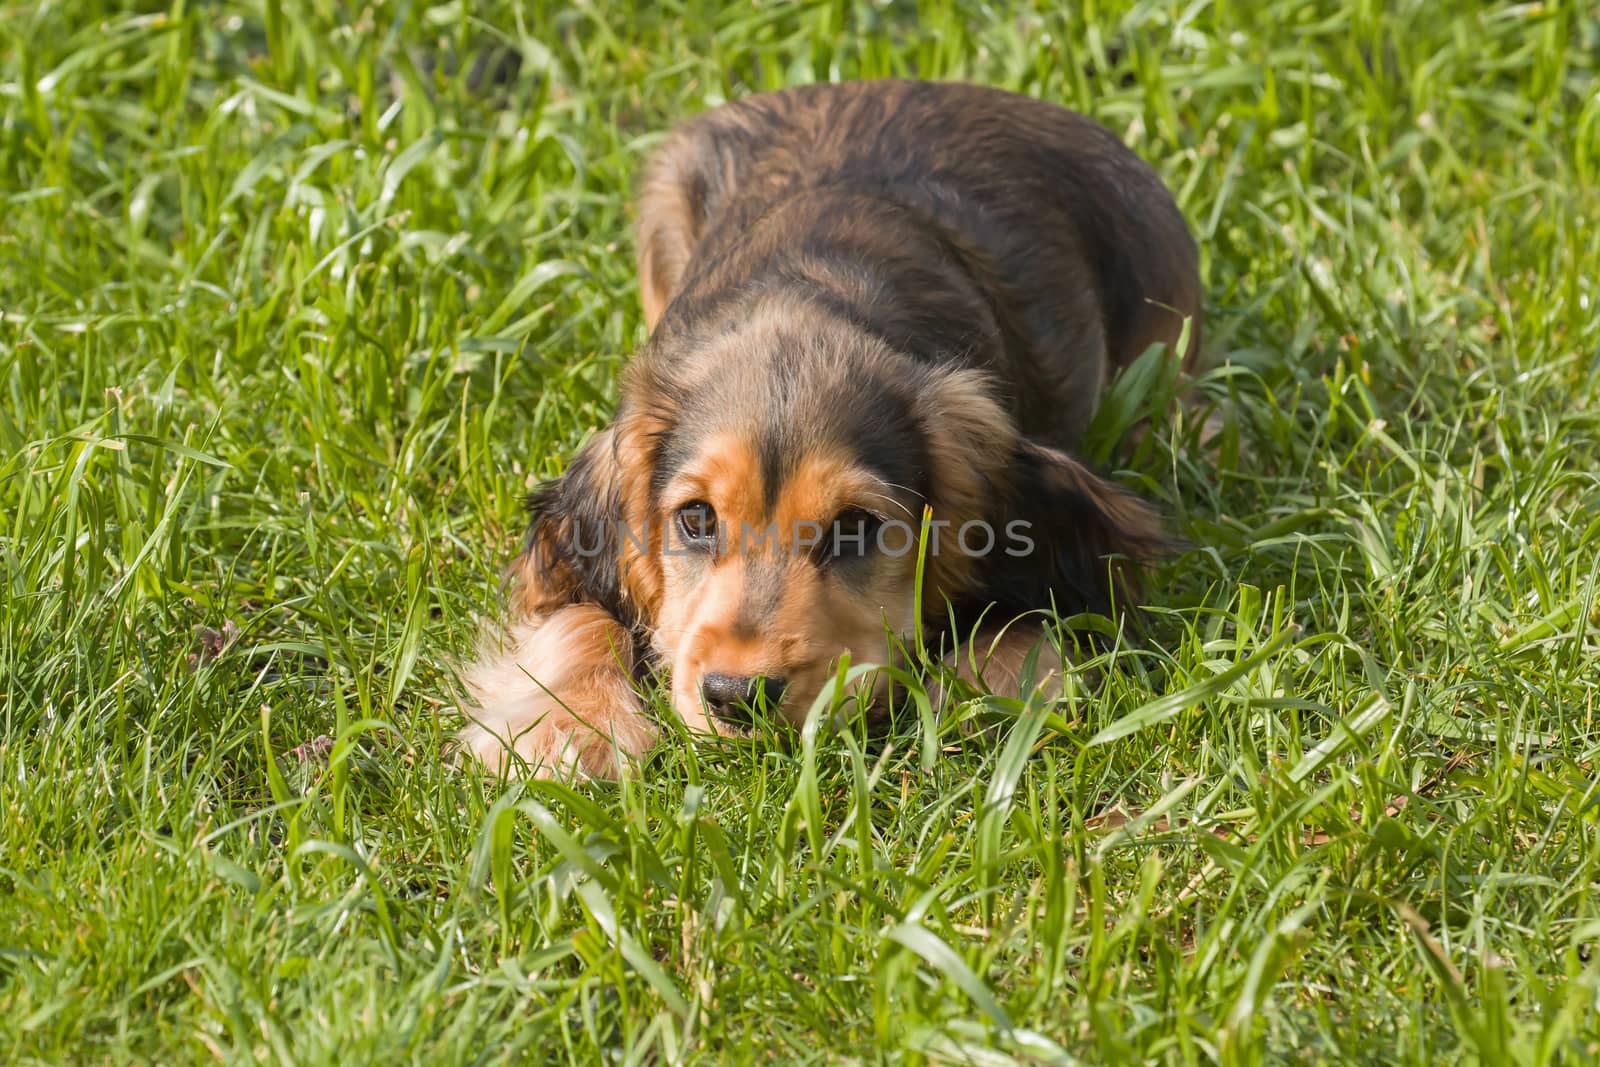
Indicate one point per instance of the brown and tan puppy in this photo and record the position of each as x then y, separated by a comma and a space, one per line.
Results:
867, 300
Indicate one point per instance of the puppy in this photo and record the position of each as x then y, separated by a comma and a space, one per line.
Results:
881, 314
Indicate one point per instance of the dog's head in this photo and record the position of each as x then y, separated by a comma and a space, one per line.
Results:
757, 505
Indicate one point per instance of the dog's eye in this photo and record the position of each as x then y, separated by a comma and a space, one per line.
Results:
854, 535
697, 521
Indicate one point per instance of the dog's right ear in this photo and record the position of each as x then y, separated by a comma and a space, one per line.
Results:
589, 537
566, 555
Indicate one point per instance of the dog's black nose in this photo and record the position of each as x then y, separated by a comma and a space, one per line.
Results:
731, 698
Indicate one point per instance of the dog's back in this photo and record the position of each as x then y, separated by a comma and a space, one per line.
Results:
960, 222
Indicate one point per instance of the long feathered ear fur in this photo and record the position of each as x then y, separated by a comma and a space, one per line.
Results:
1080, 541
1064, 535
567, 553
554, 689
589, 531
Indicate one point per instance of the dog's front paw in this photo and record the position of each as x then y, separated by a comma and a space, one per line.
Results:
998, 663
558, 701
558, 743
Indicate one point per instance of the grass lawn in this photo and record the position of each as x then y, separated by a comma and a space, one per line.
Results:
294, 309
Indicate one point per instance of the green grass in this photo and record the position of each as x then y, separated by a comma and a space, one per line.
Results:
292, 318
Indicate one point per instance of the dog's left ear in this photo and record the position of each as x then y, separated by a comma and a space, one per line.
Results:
1063, 535
1067, 537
